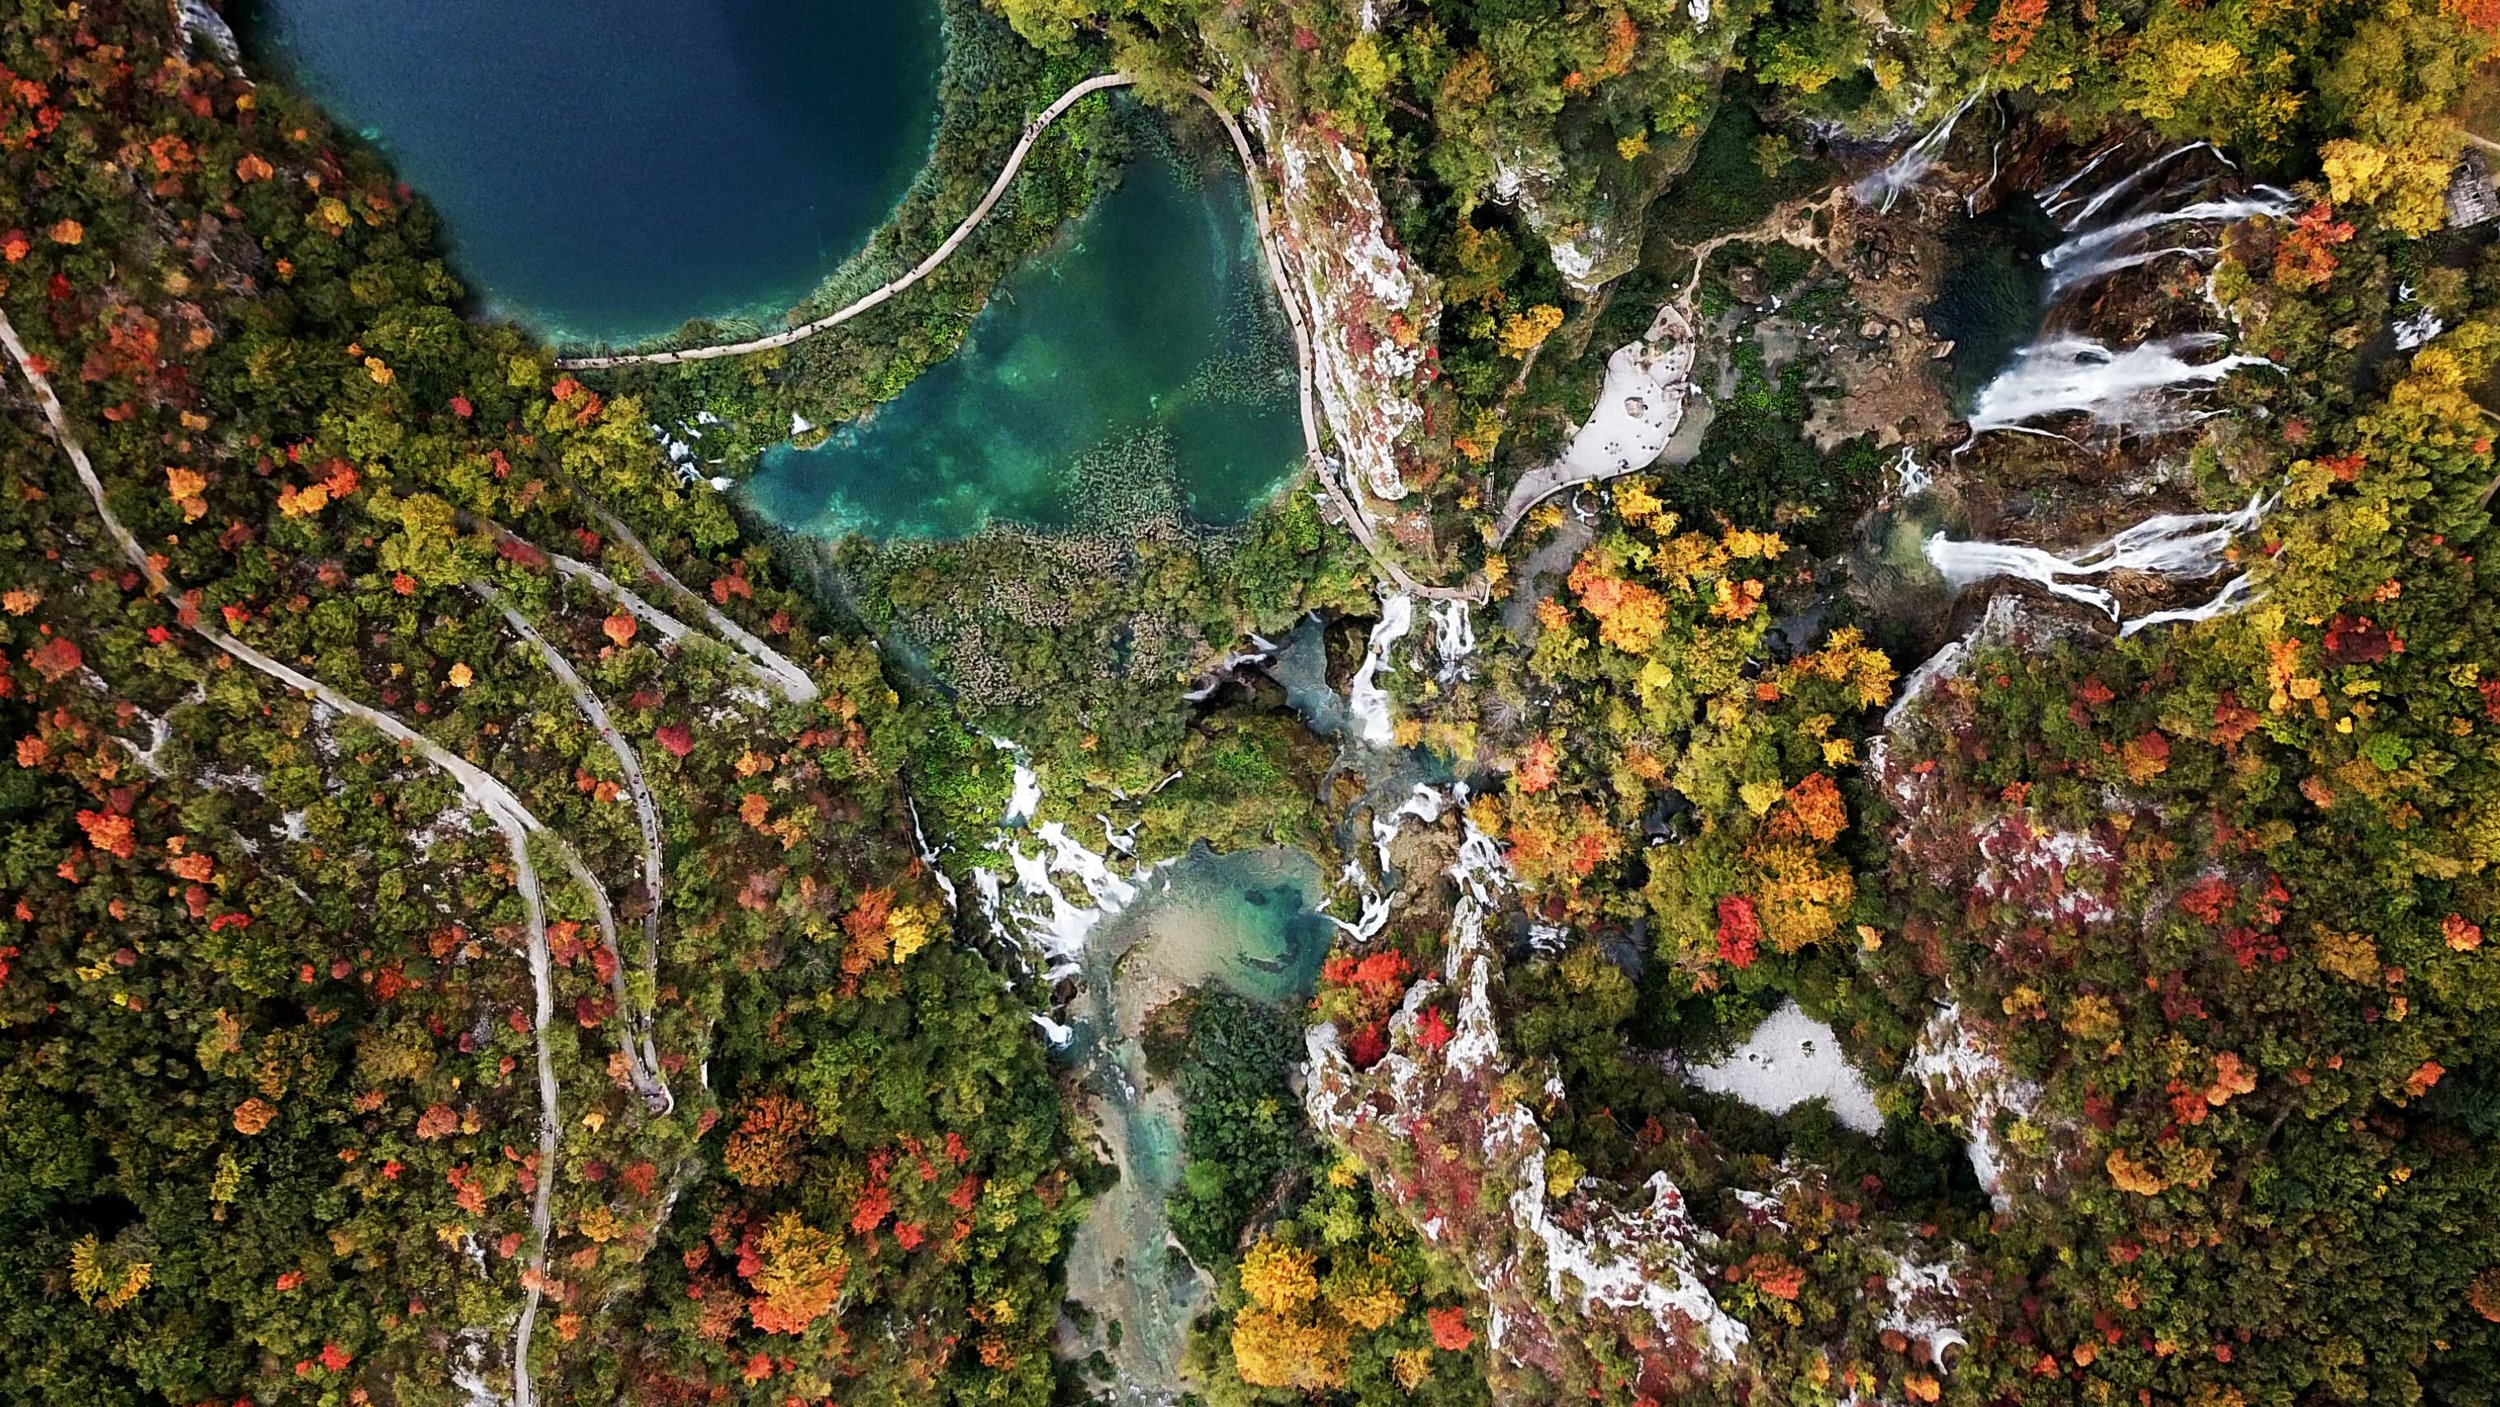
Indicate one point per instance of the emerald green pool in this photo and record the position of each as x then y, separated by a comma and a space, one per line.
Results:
1249, 921
1140, 363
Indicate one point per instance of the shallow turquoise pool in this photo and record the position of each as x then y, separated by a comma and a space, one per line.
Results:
1140, 360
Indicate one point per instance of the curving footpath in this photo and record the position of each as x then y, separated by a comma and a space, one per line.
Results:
1015, 162
641, 1058
1344, 504
483, 791
769, 664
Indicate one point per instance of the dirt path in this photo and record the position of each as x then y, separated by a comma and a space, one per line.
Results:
641, 1059
669, 626
1791, 222
482, 790
792, 681
885, 291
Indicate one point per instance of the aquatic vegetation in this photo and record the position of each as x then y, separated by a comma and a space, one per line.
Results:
1145, 347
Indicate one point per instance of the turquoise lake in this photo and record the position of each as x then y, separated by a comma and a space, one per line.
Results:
1141, 360
608, 172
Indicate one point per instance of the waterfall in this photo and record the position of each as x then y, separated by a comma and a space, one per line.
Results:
2088, 256
1996, 166
1453, 639
2138, 390
2418, 327
2121, 391
2185, 546
2234, 594
2055, 197
1881, 188
1909, 477
1366, 702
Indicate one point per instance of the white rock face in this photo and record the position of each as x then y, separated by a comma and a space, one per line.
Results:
1789, 1059
1953, 1066
1527, 180
1371, 312
1649, 1260
1925, 1301
203, 27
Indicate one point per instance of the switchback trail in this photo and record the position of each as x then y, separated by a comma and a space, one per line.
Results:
481, 788
769, 663
641, 1059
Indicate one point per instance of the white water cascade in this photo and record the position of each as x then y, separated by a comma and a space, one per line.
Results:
1367, 703
2054, 200
2418, 327
2129, 392
2181, 546
1882, 188
2144, 389
2100, 252
2095, 250
1907, 478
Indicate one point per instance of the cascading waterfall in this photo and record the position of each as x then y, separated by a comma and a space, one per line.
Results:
1996, 166
2055, 195
2122, 392
1366, 702
1907, 477
2055, 198
2095, 254
1453, 639
1882, 188
2417, 328
2181, 546
2095, 250
2235, 593
2134, 390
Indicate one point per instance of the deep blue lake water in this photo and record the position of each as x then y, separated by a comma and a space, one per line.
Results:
609, 171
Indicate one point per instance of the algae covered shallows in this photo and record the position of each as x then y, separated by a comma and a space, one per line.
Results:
1137, 371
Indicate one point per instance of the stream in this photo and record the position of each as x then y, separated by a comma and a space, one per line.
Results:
1254, 922
1247, 922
